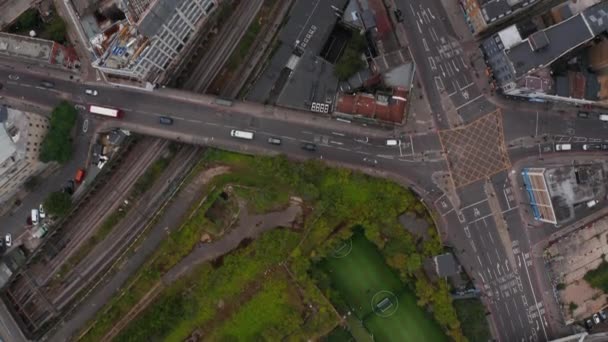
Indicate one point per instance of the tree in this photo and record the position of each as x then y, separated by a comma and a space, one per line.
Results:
58, 203
56, 30
31, 183
351, 62
57, 144
28, 20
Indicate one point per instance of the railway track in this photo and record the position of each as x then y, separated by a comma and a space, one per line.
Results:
85, 224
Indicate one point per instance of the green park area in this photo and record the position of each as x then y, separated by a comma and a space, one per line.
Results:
279, 286
598, 277
374, 293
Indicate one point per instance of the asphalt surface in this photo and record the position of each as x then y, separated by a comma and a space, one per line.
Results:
500, 262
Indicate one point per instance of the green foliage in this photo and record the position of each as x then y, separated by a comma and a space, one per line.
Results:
598, 277
145, 181
57, 144
56, 30
572, 306
269, 315
27, 21
472, 316
351, 60
31, 183
192, 301
58, 204
560, 286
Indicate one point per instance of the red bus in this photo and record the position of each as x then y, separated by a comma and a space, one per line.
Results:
105, 111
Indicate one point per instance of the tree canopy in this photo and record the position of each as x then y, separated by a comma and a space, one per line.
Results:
58, 203
57, 144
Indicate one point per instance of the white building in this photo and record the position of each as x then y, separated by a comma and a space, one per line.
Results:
21, 135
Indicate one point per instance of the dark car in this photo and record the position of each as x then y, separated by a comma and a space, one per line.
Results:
583, 115
163, 120
588, 323
309, 147
604, 146
69, 187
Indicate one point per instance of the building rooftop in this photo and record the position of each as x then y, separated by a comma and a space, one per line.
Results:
597, 17
445, 265
378, 107
555, 192
400, 76
544, 47
496, 9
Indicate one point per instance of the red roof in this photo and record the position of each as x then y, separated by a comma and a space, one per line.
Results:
367, 105
383, 22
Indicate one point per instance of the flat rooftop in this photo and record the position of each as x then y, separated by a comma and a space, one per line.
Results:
544, 47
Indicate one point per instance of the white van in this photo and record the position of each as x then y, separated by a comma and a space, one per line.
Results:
241, 134
604, 117
34, 216
393, 142
592, 203
563, 147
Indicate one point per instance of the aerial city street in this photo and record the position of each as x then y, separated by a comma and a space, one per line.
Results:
333, 170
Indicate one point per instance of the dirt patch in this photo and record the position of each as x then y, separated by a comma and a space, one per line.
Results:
569, 259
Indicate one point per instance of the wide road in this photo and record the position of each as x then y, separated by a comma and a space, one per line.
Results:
498, 267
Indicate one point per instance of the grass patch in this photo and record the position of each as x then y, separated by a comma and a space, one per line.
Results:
472, 315
263, 200
193, 301
363, 279
598, 277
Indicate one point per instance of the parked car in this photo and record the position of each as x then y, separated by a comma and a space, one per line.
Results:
69, 187
603, 315
604, 147
588, 323
596, 319
13, 77
592, 203
370, 161
41, 212
35, 216
8, 240
563, 147
310, 147
91, 92
274, 141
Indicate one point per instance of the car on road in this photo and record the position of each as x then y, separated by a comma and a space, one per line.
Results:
8, 240
604, 147
274, 141
596, 319
370, 161
393, 142
604, 117
241, 134
563, 147
164, 120
603, 315
47, 84
91, 92
310, 147
592, 147
79, 177
80, 107
13, 77
583, 115
41, 212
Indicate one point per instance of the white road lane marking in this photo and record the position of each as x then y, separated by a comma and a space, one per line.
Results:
469, 102
419, 29
432, 63
338, 134
335, 142
426, 45
190, 120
